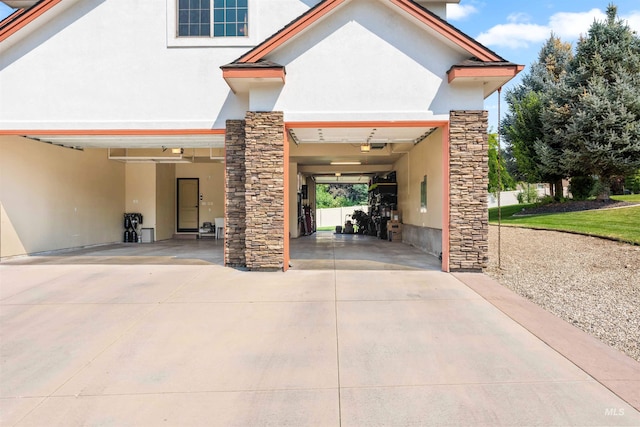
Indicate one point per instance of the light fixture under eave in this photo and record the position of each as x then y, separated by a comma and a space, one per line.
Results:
338, 174
365, 148
177, 151
148, 159
345, 163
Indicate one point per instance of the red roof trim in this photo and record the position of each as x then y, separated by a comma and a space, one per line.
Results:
254, 73
25, 17
484, 71
8, 19
291, 30
313, 15
111, 132
448, 31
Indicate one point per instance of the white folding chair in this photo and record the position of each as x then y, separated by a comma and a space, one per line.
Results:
219, 224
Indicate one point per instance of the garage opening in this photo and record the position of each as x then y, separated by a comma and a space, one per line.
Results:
392, 228
342, 207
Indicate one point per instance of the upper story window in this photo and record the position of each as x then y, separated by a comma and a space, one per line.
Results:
213, 18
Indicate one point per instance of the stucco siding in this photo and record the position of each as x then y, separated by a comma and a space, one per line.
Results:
106, 65
425, 159
367, 63
57, 198
165, 201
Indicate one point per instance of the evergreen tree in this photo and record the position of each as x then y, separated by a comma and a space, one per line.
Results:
496, 164
595, 112
512, 165
523, 127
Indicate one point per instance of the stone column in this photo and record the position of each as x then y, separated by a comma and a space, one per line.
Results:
264, 190
235, 212
468, 180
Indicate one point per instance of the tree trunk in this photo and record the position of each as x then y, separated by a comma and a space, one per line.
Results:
559, 190
551, 189
604, 189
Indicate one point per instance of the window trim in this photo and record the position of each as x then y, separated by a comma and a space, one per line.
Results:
203, 41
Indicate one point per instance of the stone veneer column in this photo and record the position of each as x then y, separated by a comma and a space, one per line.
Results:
468, 180
235, 211
264, 190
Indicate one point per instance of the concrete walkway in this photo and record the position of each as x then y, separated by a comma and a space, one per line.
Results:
196, 344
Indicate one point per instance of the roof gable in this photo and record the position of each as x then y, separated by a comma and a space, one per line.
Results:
325, 7
21, 17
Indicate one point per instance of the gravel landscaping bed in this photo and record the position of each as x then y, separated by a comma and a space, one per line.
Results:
589, 282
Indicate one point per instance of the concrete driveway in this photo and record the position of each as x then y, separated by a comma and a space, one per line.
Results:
202, 345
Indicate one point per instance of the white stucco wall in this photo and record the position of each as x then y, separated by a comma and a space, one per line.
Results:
367, 63
106, 65
98, 64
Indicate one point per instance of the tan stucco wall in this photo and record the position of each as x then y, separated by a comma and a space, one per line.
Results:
423, 159
165, 201
55, 198
293, 199
211, 177
140, 192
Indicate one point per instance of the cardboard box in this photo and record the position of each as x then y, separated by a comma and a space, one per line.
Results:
396, 216
395, 236
394, 226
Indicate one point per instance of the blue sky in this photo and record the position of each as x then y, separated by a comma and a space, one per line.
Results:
516, 29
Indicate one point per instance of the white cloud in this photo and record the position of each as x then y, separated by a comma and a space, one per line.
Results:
519, 17
569, 26
633, 19
514, 35
458, 12
519, 33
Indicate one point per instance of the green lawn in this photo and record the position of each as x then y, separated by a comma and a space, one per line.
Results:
628, 198
620, 224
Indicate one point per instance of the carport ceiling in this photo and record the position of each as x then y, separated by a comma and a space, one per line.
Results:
343, 179
302, 135
134, 141
323, 152
317, 146
360, 135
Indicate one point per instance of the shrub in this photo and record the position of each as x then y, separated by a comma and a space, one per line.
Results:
632, 183
529, 194
581, 187
546, 200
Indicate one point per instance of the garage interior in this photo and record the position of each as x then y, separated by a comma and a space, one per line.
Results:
327, 153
